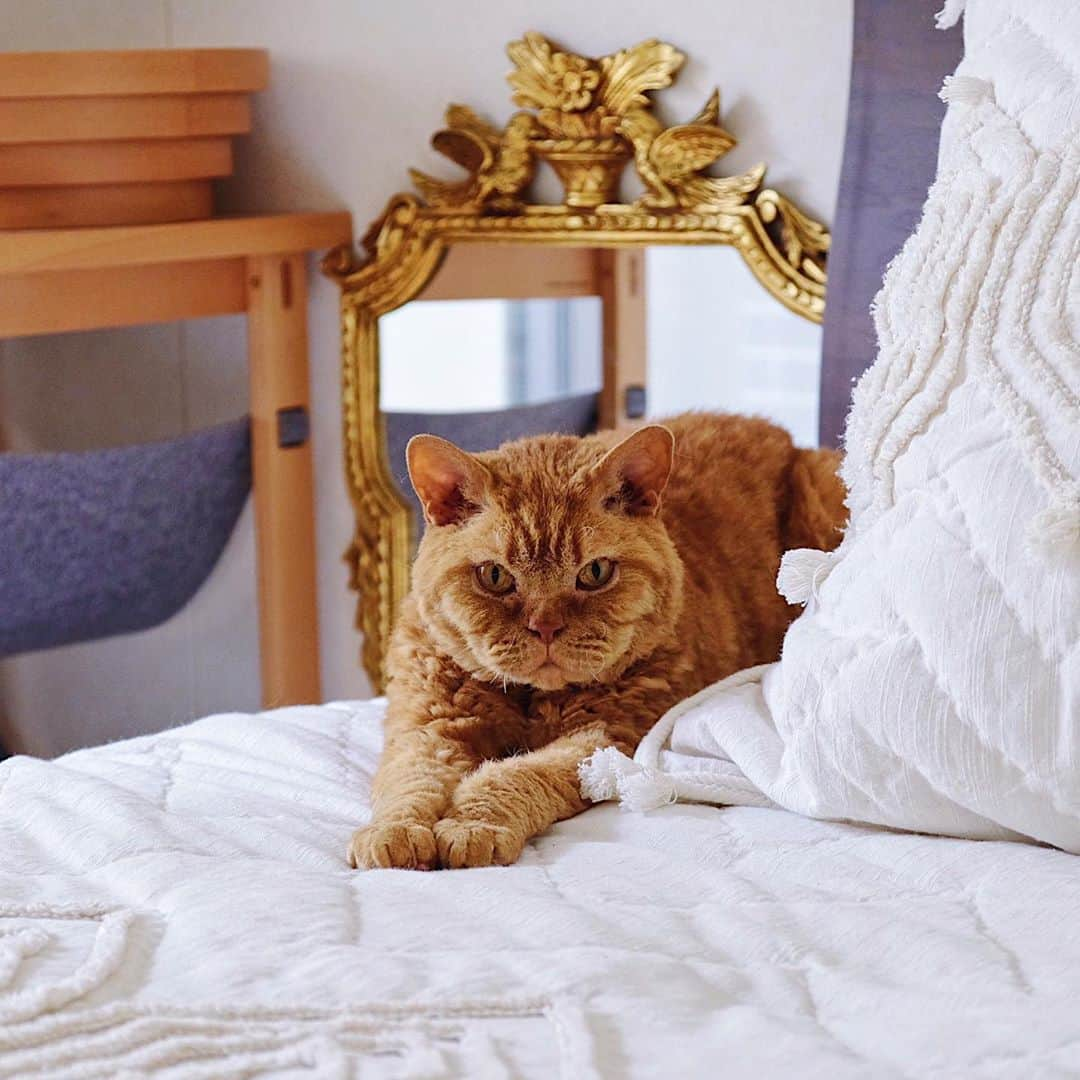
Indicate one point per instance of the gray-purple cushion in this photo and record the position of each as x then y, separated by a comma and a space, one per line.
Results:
111, 541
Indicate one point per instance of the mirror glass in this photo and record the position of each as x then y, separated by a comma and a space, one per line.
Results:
480, 371
467, 355
718, 340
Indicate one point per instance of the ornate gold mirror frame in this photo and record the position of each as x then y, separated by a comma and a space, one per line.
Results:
587, 118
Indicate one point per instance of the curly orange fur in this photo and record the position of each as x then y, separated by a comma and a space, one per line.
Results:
489, 718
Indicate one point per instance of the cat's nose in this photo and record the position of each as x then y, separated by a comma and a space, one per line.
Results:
545, 627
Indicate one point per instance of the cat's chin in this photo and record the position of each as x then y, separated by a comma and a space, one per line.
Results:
548, 676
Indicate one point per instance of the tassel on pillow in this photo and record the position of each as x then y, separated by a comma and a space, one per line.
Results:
802, 573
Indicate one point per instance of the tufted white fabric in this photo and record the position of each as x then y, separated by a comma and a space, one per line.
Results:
180, 904
933, 683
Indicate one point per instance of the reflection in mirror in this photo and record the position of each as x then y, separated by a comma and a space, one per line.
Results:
468, 355
482, 372
718, 340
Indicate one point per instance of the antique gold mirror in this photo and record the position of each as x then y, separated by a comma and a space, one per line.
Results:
481, 313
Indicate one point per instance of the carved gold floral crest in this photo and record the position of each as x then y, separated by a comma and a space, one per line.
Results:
588, 119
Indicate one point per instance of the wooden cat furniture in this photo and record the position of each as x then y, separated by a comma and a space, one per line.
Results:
106, 165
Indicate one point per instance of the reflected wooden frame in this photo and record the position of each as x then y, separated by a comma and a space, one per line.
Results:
588, 119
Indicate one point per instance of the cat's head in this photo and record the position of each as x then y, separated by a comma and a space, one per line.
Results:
545, 563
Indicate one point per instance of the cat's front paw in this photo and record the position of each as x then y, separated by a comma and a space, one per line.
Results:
463, 843
404, 846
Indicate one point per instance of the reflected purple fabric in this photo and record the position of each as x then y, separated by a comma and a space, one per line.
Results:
899, 61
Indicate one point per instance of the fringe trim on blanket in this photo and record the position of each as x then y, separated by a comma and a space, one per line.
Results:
640, 783
610, 774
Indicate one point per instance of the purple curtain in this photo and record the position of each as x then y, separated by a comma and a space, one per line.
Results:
898, 63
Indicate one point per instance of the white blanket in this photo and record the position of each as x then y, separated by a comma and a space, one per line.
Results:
933, 682
179, 904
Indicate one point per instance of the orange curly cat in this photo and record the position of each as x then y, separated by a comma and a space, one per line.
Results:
559, 606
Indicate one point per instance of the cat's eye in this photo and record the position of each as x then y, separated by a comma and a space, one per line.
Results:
596, 574
494, 578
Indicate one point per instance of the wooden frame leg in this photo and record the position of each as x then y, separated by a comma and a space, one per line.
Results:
621, 275
282, 472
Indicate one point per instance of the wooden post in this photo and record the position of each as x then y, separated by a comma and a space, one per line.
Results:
621, 275
281, 464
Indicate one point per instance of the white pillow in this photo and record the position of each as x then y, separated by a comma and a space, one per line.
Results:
933, 683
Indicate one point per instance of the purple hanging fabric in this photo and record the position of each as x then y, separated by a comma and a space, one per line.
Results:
899, 61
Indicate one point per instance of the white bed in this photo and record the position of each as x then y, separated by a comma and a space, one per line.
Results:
180, 902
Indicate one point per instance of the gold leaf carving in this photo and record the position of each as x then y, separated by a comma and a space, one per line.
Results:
631, 73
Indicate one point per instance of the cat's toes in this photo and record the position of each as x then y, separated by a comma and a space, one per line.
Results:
408, 846
476, 843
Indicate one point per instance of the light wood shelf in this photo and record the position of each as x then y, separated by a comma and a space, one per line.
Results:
107, 72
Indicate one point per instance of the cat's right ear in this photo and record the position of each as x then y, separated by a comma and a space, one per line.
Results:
449, 482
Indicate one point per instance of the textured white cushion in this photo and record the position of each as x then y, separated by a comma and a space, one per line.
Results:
934, 681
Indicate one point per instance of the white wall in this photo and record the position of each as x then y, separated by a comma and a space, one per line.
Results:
356, 90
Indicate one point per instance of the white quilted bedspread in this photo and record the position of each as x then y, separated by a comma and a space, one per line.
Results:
179, 904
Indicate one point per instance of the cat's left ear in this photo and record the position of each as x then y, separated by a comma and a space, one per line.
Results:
635, 473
